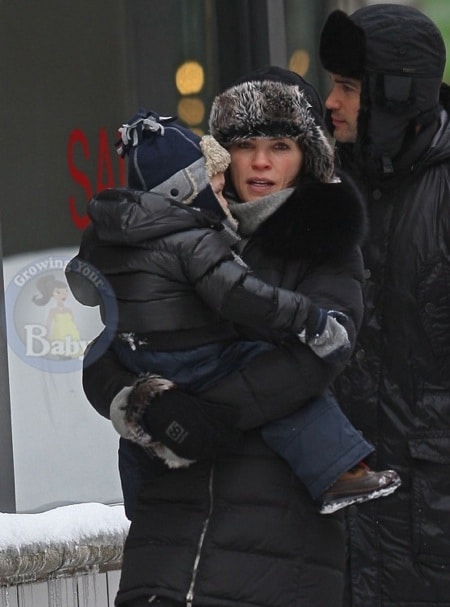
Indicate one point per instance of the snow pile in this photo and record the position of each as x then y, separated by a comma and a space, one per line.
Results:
67, 524
76, 537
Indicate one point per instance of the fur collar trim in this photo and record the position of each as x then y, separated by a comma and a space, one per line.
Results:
318, 221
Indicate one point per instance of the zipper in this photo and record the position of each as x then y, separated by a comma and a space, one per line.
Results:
190, 593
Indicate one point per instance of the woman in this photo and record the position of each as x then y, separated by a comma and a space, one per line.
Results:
239, 529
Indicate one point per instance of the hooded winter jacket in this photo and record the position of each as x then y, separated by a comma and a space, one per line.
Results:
241, 530
396, 388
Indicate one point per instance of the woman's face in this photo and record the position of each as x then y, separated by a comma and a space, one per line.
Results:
261, 166
60, 294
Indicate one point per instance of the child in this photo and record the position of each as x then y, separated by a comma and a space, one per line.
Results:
174, 299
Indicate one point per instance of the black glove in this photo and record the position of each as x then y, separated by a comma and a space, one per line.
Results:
191, 428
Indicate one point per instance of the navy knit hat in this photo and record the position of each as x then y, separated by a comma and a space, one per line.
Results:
169, 159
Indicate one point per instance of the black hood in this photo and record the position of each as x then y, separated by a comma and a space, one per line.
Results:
399, 55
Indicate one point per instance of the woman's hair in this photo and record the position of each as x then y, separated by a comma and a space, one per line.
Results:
46, 286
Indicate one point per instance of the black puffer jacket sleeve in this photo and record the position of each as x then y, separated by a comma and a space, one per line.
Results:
103, 375
188, 252
278, 382
273, 385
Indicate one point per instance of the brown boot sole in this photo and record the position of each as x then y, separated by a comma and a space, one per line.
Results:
372, 485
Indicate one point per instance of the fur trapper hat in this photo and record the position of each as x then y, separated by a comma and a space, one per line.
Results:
166, 158
275, 73
274, 108
399, 55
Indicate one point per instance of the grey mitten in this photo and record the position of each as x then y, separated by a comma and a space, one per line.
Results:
330, 338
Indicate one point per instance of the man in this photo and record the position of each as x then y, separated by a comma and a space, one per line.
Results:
388, 110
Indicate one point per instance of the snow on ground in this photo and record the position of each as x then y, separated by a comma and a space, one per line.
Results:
66, 524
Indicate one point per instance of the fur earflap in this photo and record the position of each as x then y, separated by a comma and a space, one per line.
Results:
217, 158
317, 222
342, 46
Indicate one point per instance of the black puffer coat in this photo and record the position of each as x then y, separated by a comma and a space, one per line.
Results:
241, 531
396, 388
174, 276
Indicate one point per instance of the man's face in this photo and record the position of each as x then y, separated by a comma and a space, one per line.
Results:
344, 103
